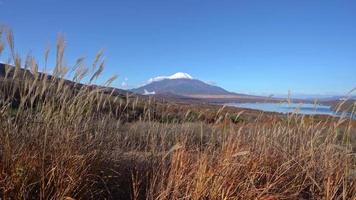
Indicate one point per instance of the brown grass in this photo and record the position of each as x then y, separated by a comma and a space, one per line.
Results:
64, 141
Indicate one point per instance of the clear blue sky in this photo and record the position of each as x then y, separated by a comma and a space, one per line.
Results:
258, 47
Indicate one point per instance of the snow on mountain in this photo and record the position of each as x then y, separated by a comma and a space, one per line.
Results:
178, 75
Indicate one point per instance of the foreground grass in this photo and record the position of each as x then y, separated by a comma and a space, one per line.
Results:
64, 141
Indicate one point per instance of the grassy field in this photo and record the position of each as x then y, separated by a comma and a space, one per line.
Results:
76, 141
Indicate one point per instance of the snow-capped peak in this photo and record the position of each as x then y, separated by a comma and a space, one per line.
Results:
178, 75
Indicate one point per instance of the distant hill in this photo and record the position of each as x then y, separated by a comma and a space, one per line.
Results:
11, 71
24, 72
2, 70
181, 86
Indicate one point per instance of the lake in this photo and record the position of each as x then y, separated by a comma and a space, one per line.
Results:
306, 109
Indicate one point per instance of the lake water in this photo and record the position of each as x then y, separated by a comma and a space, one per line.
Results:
306, 109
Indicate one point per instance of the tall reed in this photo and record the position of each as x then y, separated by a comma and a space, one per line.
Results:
62, 139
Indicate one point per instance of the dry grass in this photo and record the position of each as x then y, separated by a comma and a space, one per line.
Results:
63, 141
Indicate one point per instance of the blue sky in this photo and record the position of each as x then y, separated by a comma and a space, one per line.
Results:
257, 47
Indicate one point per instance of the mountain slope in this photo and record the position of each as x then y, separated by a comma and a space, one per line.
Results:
10, 70
180, 86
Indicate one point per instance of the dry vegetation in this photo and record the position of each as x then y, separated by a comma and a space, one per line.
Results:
65, 141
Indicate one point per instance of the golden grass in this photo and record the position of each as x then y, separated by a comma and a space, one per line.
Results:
72, 141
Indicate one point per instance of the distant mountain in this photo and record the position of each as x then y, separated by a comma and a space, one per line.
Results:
336, 98
325, 97
179, 84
